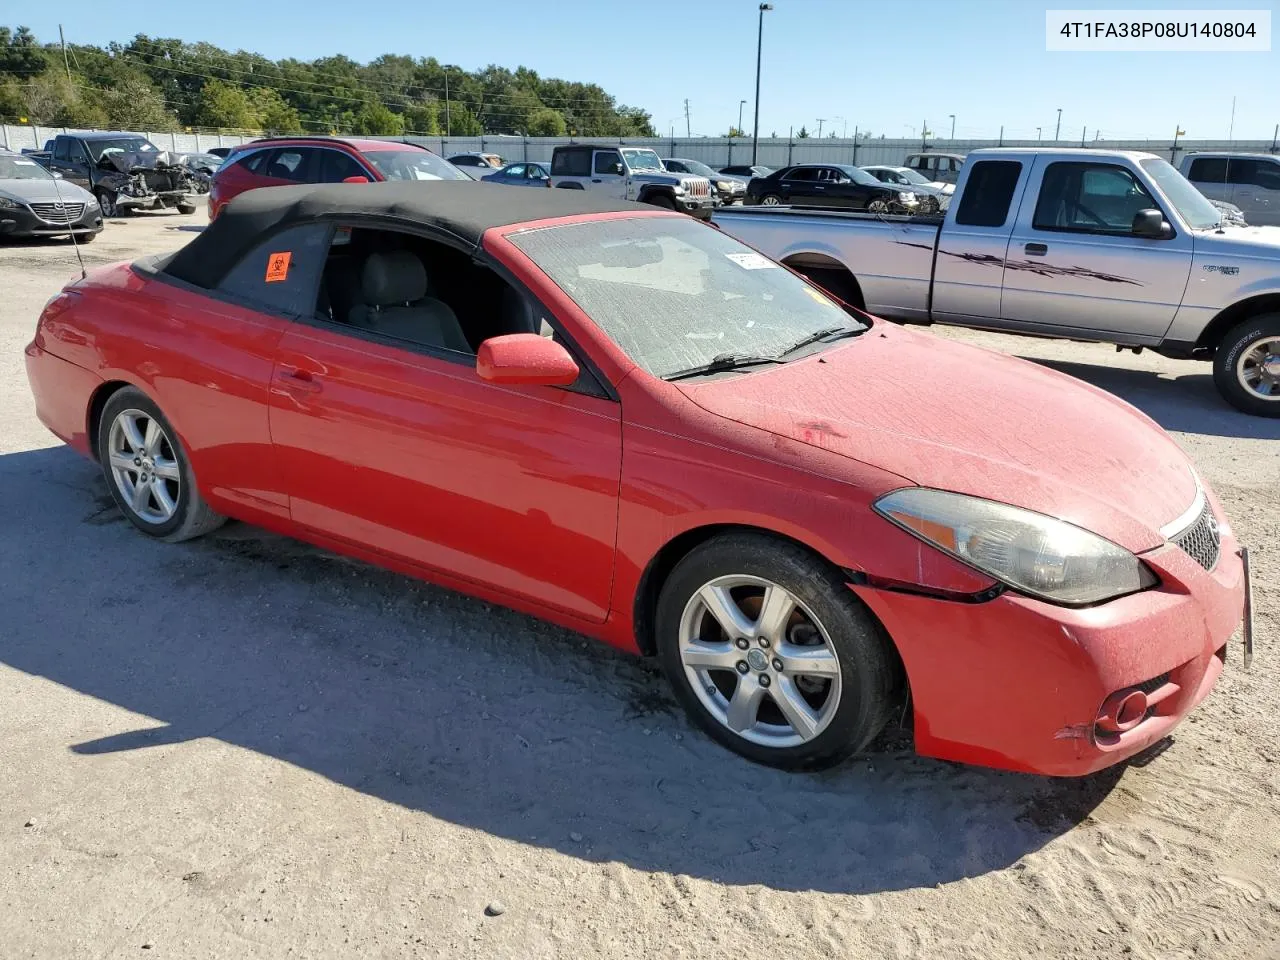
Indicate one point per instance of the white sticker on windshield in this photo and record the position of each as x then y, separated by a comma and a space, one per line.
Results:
751, 261
25, 163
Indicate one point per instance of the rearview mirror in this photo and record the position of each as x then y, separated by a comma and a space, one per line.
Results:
1151, 224
355, 179
525, 358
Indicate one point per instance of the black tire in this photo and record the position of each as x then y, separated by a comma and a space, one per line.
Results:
192, 517
1235, 342
660, 200
770, 200
87, 237
867, 664
186, 208
107, 202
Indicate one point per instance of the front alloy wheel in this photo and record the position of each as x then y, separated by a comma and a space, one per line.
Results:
759, 661
1246, 366
772, 654
144, 466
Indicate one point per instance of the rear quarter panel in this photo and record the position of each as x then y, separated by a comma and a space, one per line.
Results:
206, 363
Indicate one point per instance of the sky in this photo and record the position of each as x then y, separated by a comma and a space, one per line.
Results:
856, 64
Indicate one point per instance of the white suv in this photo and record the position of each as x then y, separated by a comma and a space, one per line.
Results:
630, 173
1250, 181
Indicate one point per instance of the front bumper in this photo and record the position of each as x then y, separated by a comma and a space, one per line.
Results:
155, 201
23, 222
700, 207
1018, 684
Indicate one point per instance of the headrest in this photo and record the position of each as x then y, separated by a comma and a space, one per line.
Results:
395, 277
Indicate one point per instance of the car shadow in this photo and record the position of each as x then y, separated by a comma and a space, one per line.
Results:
1188, 404
463, 710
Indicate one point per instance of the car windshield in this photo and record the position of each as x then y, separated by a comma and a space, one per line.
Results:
642, 160
413, 165
1190, 203
674, 294
906, 173
699, 169
20, 168
123, 145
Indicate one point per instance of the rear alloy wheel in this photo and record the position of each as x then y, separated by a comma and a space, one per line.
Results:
147, 470
878, 205
770, 200
1246, 366
771, 654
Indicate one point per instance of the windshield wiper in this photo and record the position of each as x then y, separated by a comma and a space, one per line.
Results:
822, 335
721, 362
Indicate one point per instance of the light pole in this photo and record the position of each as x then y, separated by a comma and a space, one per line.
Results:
1058, 128
741, 104
953, 126
821, 121
755, 126
1037, 134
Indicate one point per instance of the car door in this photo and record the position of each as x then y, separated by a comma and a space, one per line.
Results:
71, 160
1255, 189
1209, 174
535, 175
288, 165
335, 166
400, 448
608, 175
1074, 263
799, 185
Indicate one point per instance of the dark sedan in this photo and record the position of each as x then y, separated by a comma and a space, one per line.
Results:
829, 185
520, 175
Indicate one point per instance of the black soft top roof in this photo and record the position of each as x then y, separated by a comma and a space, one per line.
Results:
464, 210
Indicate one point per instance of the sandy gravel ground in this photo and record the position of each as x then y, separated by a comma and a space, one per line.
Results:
242, 747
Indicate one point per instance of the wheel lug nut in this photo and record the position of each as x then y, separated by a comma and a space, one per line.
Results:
742, 643
764, 641
742, 666
137, 461
764, 680
777, 664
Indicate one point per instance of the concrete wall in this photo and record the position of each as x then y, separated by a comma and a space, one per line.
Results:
716, 152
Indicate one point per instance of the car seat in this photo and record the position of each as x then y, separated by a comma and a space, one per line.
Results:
394, 288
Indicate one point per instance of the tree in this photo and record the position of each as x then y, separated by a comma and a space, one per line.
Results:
547, 123
225, 106
803, 134
21, 54
423, 118
13, 107
462, 122
274, 116
735, 132
134, 105
378, 120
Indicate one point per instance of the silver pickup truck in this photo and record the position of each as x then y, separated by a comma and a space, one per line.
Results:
1101, 245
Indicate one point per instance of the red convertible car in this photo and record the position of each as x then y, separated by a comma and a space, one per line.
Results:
623, 421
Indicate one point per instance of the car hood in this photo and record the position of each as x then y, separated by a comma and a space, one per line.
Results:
128, 161
668, 179
1243, 241
947, 415
43, 191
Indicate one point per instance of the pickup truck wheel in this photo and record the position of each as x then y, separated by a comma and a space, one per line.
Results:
660, 200
1246, 365
107, 201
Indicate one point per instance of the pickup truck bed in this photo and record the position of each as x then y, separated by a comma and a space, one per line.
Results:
1099, 245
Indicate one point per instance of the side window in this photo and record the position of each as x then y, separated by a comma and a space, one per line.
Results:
62, 148
571, 163
802, 174
988, 194
1089, 197
289, 163
516, 170
281, 274
1254, 173
607, 162
336, 166
1209, 170
675, 166
536, 172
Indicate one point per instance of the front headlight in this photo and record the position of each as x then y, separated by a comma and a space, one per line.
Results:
5, 203
724, 186
906, 197
91, 203
1030, 552
678, 189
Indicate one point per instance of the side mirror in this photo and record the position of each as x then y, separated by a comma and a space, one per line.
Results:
355, 179
525, 358
55, 174
1151, 224
617, 168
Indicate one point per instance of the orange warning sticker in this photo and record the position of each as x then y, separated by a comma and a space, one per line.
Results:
278, 266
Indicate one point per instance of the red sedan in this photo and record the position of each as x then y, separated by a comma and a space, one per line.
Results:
625, 422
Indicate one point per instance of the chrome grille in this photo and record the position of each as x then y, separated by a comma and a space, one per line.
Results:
698, 188
1201, 540
58, 212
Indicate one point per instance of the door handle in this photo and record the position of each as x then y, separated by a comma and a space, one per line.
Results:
1036, 249
596, 180
299, 381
